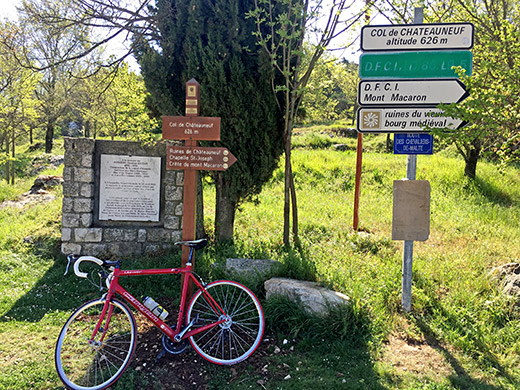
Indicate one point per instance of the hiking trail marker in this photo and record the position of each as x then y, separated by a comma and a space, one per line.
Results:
191, 157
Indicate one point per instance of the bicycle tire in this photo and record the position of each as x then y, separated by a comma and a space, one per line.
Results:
83, 365
239, 336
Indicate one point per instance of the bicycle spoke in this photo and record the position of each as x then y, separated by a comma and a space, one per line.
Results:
85, 363
240, 327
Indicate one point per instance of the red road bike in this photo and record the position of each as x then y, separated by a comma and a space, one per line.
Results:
223, 322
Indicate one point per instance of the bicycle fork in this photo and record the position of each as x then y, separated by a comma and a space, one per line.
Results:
106, 315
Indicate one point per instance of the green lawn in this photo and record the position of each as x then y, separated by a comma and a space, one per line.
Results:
462, 332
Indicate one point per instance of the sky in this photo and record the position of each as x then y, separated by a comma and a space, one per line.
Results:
8, 11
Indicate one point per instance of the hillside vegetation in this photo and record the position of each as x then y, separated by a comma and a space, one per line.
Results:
462, 333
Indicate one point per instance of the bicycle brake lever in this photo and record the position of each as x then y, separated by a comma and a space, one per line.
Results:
69, 262
102, 275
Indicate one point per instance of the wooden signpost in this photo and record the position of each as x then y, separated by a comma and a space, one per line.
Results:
190, 157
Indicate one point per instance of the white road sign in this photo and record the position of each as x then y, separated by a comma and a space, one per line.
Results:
415, 92
435, 36
404, 120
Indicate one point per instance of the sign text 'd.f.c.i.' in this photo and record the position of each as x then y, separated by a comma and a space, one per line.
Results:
415, 64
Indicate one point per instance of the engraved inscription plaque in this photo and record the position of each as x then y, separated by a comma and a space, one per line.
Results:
129, 188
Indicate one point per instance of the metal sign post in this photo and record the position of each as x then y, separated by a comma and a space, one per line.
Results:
411, 170
407, 71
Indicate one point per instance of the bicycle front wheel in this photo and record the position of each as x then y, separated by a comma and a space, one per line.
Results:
239, 335
86, 363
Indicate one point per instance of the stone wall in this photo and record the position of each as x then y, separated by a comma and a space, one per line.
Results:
84, 234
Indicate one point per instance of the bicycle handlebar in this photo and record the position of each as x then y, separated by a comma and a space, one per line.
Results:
77, 260
85, 258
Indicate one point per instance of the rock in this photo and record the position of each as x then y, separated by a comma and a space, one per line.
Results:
508, 276
44, 182
346, 132
340, 147
252, 268
46, 161
314, 298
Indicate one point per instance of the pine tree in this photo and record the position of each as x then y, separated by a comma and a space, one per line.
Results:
212, 41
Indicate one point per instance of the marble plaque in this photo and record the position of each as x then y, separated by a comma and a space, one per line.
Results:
129, 188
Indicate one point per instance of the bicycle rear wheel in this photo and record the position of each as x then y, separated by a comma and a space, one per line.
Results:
83, 363
239, 335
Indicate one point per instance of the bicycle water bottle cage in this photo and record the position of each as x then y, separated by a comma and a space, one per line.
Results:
195, 244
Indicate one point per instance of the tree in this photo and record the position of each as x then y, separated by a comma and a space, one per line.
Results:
116, 104
493, 108
45, 47
212, 41
17, 102
281, 29
331, 92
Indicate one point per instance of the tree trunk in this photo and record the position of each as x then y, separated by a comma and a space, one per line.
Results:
294, 210
287, 196
49, 135
7, 163
13, 155
199, 220
471, 159
225, 211
87, 130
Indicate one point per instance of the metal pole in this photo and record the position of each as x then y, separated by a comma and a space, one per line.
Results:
357, 189
411, 169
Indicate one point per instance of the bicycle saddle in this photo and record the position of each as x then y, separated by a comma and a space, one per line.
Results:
196, 244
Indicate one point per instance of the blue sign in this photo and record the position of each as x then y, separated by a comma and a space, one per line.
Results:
413, 143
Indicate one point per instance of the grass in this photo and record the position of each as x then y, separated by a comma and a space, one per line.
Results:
459, 314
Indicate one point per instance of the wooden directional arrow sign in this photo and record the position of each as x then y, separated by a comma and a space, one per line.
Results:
199, 158
417, 92
442, 36
404, 120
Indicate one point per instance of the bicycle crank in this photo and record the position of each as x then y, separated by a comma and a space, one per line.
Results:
173, 347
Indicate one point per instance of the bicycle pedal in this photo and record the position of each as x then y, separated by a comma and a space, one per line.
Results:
160, 355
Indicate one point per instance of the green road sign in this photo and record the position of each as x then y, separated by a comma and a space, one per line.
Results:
414, 64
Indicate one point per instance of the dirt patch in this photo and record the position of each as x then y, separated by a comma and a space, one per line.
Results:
39, 192
29, 199
190, 371
416, 356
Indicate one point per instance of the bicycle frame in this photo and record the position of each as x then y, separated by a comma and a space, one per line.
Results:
116, 288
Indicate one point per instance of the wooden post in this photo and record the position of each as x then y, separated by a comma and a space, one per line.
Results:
192, 158
359, 156
189, 213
